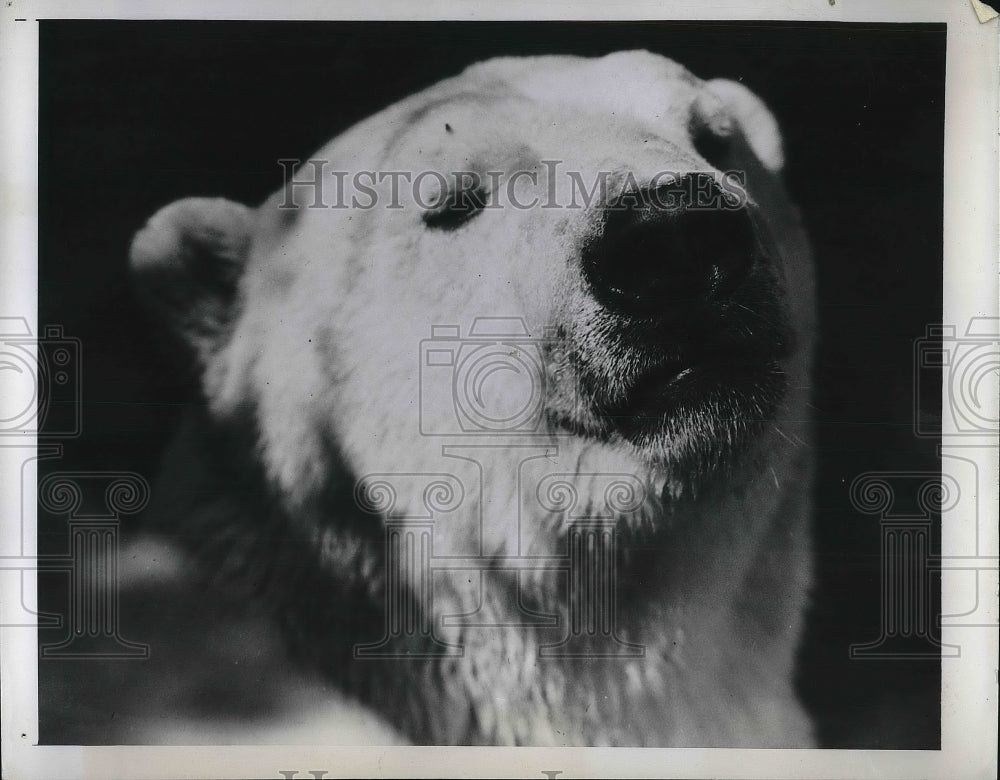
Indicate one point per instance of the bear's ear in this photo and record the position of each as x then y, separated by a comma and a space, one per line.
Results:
187, 262
724, 106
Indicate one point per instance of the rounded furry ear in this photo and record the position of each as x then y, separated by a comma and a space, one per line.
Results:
724, 105
187, 262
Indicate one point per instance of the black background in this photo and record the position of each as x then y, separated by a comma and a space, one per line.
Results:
135, 115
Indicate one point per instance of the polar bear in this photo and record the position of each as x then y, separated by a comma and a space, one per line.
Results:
506, 407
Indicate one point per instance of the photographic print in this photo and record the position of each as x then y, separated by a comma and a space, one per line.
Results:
536, 384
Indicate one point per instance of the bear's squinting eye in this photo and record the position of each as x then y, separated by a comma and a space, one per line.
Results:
456, 207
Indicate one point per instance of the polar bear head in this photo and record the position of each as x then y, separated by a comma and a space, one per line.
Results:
571, 273
622, 216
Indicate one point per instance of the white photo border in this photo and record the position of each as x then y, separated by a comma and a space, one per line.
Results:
969, 682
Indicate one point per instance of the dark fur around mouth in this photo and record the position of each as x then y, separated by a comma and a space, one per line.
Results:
699, 413
712, 406
691, 374
697, 388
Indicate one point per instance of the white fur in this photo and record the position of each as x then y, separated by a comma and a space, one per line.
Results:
325, 352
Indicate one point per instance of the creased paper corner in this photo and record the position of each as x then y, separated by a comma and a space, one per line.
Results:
983, 11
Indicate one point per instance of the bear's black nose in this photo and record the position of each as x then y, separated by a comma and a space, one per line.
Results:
667, 248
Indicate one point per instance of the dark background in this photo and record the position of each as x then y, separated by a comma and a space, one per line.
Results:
135, 115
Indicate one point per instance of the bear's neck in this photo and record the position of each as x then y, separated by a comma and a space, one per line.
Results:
683, 636
620, 637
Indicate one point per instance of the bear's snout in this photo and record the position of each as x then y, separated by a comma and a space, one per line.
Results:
658, 256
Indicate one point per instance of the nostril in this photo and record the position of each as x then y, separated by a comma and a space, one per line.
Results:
717, 248
664, 250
